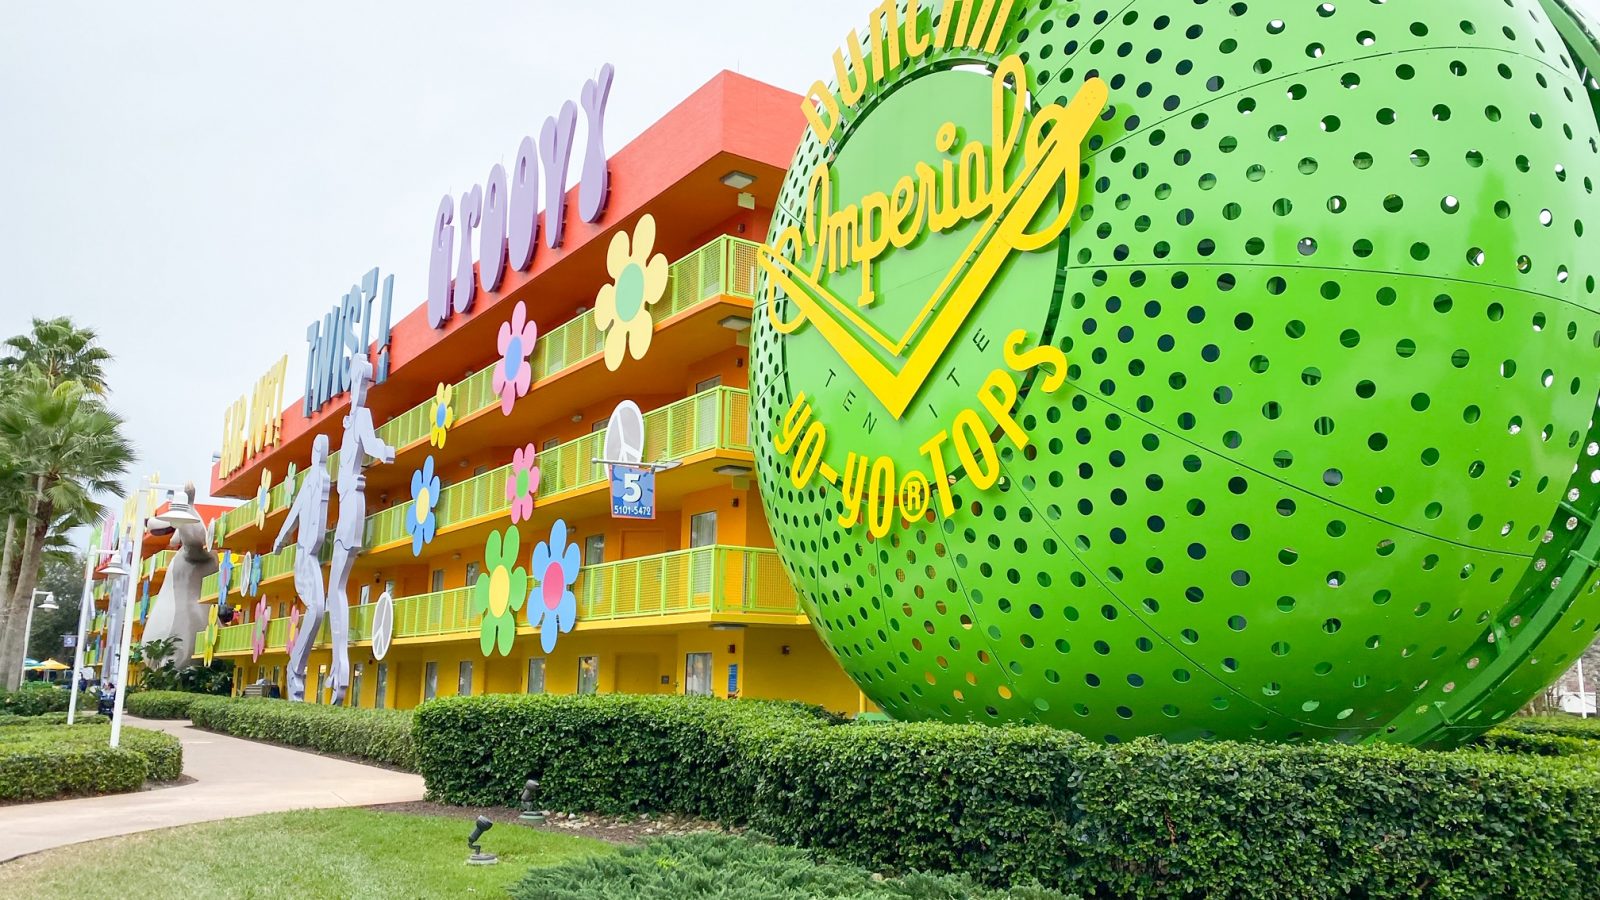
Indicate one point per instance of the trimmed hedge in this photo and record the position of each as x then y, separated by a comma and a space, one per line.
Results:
1020, 804
57, 718
380, 736
1559, 725
162, 704
718, 865
34, 699
1505, 740
45, 762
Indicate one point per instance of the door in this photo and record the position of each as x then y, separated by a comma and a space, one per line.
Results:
697, 675
382, 696
702, 533
536, 675
588, 674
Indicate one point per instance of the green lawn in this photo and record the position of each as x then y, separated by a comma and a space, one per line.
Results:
309, 853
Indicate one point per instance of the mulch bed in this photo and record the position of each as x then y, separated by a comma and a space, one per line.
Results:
612, 829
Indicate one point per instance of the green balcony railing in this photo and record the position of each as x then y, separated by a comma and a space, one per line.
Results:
705, 579
156, 562
716, 418
724, 267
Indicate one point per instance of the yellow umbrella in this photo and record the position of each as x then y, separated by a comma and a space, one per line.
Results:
49, 665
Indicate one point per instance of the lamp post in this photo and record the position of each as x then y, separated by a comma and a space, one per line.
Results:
84, 606
27, 629
178, 513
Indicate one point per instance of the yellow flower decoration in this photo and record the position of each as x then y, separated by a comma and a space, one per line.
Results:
638, 281
444, 415
263, 497
211, 634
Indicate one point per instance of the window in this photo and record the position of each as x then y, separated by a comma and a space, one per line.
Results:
708, 384
355, 686
598, 425
702, 533
594, 549
437, 584
588, 674
536, 675
472, 573
550, 444
481, 470
321, 671
388, 588
697, 675
366, 594
464, 679
430, 681
382, 695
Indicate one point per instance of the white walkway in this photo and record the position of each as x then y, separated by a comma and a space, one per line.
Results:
232, 778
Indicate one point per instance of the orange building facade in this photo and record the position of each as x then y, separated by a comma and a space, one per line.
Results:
693, 600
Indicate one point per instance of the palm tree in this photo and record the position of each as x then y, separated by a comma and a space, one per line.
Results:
61, 352
71, 448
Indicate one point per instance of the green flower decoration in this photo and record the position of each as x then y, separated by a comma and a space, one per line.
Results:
501, 590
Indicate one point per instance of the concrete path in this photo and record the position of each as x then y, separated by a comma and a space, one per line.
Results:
232, 778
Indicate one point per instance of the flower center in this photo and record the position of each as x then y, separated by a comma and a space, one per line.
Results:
553, 585
438, 415
522, 482
421, 507
499, 591
630, 291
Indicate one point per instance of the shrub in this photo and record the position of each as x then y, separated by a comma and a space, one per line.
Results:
1505, 740
1021, 804
716, 865
1560, 725
661, 753
33, 699
43, 762
56, 718
372, 735
161, 704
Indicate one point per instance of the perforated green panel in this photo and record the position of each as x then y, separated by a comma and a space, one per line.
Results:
1323, 466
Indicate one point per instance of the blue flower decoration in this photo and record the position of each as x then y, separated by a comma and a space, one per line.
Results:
224, 576
252, 574
421, 523
555, 569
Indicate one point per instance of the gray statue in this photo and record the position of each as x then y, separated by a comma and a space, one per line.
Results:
308, 513
176, 610
360, 441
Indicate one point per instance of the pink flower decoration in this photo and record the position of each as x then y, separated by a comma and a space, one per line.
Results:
522, 484
258, 638
512, 374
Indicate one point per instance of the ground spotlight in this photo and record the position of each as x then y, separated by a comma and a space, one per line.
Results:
478, 857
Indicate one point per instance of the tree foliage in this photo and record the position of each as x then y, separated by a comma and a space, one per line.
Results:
61, 448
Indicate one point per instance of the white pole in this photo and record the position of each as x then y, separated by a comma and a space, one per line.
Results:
1583, 703
135, 534
27, 635
84, 605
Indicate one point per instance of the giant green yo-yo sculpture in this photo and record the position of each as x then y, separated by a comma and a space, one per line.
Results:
1199, 369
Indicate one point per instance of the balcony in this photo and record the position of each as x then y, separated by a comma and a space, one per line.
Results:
716, 419
156, 562
724, 267
705, 584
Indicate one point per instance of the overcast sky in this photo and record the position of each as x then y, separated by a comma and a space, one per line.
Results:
199, 181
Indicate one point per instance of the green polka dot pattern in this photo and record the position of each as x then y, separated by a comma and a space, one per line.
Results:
1323, 467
